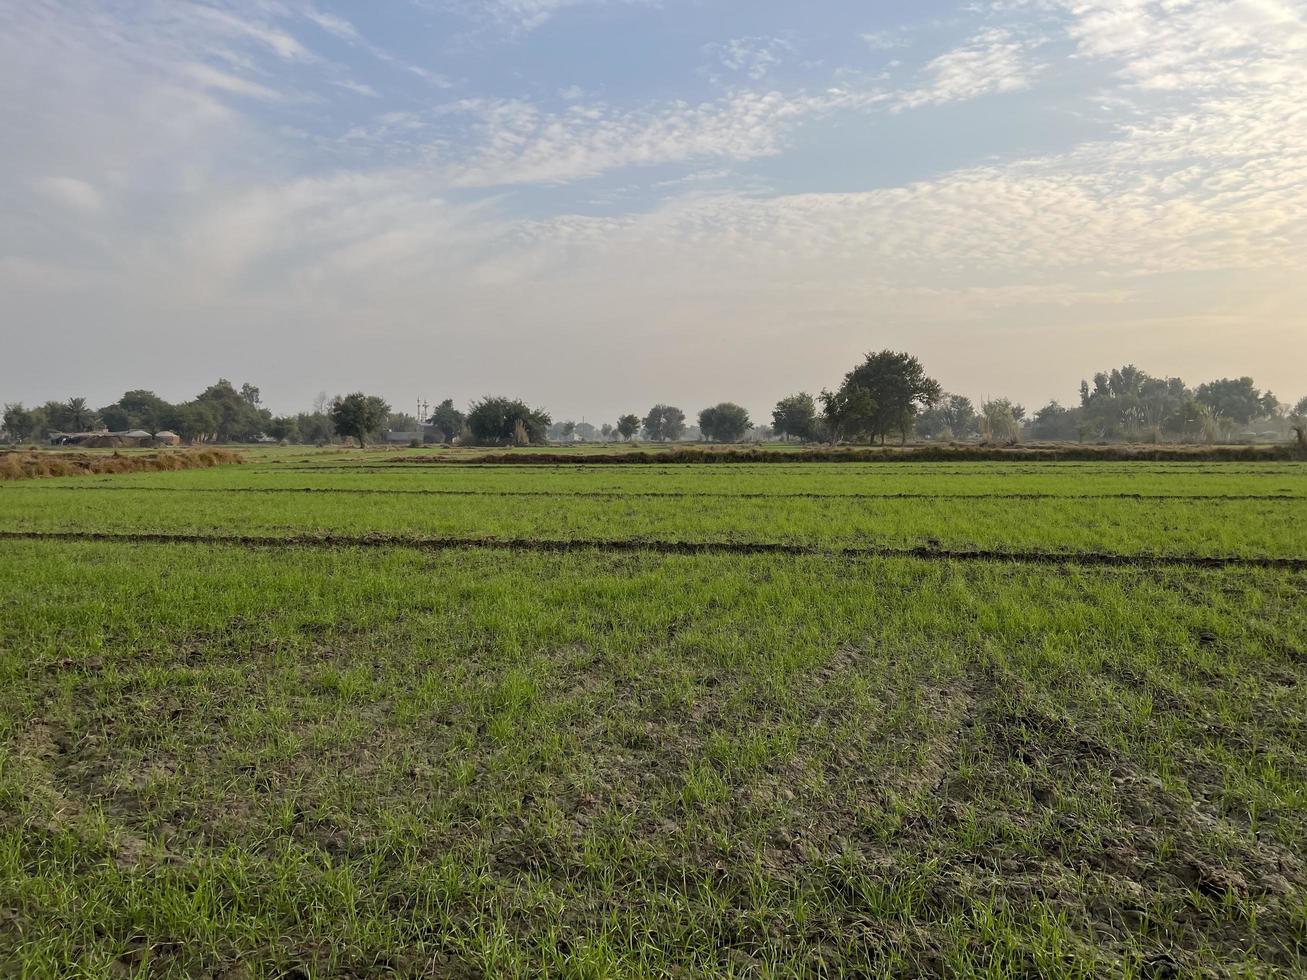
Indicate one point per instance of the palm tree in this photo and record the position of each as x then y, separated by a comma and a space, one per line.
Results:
79, 414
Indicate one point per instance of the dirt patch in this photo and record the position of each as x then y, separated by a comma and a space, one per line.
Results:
35, 465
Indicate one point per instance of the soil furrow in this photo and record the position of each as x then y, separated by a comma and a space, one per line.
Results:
697, 495
1088, 558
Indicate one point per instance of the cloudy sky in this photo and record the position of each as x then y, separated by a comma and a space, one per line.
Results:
597, 204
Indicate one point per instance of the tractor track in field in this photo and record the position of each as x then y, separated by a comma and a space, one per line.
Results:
697, 495
665, 547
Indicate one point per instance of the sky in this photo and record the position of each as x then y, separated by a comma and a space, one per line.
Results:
601, 204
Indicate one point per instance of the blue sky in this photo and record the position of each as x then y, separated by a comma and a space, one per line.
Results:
599, 204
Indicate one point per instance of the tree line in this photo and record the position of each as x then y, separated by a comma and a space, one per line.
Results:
887, 395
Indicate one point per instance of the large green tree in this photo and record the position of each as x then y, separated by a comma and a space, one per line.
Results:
849, 414
136, 409
499, 421
664, 423
359, 415
19, 423
236, 419
1236, 400
80, 416
1127, 403
447, 421
795, 417
628, 426
898, 385
1057, 423
952, 417
724, 422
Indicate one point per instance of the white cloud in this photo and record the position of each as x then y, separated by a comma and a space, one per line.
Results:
72, 193
1204, 44
278, 41
358, 88
885, 40
211, 77
994, 61
750, 57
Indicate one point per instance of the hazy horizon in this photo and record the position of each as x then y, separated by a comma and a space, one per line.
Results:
597, 205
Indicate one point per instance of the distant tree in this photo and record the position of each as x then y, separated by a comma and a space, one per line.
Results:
250, 393
999, 422
849, 414
586, 432
606, 431
628, 426
448, 421
195, 421
115, 419
56, 417
795, 417
498, 421
953, 417
1055, 423
401, 422
284, 428
314, 428
664, 423
1127, 403
960, 416
144, 408
358, 415
1298, 421
725, 422
18, 422
1236, 400
80, 416
236, 419
569, 429
897, 385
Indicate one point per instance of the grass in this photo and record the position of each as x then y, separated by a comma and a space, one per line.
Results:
225, 761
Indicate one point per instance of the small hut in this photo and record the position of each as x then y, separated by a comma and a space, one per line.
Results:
167, 438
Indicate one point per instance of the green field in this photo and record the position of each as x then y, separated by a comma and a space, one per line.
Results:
380, 718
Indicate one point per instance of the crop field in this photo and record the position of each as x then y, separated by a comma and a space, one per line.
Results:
364, 714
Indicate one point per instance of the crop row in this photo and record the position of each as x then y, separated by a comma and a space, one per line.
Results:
1210, 528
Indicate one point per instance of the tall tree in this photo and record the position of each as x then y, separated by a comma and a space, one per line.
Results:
359, 415
237, 420
725, 422
628, 426
18, 422
80, 416
1236, 400
1056, 423
849, 414
954, 417
664, 423
498, 421
897, 384
796, 417
448, 421
1127, 403
999, 421
250, 393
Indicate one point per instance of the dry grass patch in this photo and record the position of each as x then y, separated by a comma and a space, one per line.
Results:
35, 465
